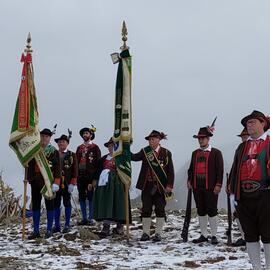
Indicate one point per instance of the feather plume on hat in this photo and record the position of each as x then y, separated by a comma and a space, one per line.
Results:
54, 129
211, 128
69, 133
93, 129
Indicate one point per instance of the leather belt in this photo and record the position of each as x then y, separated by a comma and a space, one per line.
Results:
249, 186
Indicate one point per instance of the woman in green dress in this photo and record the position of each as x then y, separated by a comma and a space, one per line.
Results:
109, 195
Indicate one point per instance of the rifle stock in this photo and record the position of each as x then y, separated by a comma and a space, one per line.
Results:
184, 234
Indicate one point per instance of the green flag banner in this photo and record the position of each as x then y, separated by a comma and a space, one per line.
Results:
25, 136
123, 120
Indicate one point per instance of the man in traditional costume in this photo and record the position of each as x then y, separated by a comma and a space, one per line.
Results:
69, 173
205, 176
88, 155
109, 195
240, 241
37, 182
156, 181
250, 183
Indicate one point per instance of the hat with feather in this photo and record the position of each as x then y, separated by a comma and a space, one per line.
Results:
64, 137
91, 129
207, 131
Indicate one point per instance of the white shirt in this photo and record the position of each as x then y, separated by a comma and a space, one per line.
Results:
262, 137
209, 148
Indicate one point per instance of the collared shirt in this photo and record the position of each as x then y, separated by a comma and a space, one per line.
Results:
157, 149
62, 153
88, 142
262, 137
209, 148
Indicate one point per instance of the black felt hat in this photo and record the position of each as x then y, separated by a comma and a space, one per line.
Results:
157, 134
63, 137
203, 132
92, 131
110, 141
46, 131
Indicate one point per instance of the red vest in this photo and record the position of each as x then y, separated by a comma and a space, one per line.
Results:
109, 164
201, 167
251, 166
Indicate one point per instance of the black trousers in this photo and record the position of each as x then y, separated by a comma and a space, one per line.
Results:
62, 193
206, 202
37, 197
149, 200
254, 215
82, 185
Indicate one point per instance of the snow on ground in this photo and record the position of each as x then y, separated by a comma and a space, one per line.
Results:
76, 251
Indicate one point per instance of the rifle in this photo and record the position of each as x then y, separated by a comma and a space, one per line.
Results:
184, 234
229, 210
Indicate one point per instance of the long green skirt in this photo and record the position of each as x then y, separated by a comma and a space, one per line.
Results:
109, 200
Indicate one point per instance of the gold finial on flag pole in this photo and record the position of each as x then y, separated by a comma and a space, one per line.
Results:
28, 48
124, 36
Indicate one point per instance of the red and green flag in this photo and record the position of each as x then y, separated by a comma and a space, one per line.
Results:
25, 135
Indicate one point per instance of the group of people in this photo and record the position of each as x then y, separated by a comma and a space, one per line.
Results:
99, 184
248, 186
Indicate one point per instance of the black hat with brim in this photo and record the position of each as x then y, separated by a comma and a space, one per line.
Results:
203, 133
256, 115
63, 137
110, 141
88, 130
46, 131
156, 134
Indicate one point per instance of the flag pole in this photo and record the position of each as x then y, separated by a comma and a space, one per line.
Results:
124, 47
27, 50
24, 200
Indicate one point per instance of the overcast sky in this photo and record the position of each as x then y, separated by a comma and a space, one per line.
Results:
192, 61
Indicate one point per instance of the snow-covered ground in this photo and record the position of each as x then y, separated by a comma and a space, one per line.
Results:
76, 251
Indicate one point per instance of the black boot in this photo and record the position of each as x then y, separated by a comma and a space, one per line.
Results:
105, 230
157, 238
83, 222
66, 229
239, 243
34, 235
201, 239
48, 234
145, 237
119, 229
56, 229
214, 240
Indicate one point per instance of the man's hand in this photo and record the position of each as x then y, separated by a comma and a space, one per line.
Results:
217, 189
90, 187
189, 186
70, 188
55, 188
94, 183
